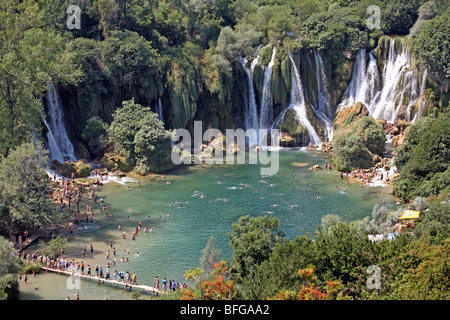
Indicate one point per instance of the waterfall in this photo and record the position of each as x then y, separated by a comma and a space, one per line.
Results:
364, 82
323, 107
397, 76
59, 145
422, 101
298, 103
250, 110
266, 113
321, 95
159, 109
388, 95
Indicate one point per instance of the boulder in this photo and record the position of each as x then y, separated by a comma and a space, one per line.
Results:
349, 115
79, 168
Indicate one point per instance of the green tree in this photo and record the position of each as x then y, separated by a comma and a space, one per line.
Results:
9, 266
423, 161
24, 190
435, 223
232, 43
432, 45
355, 146
137, 132
53, 247
252, 241
30, 57
210, 255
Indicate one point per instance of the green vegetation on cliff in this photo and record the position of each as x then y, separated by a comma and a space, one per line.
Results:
357, 144
423, 161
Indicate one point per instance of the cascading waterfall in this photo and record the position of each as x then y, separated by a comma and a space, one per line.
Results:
266, 114
159, 109
323, 95
298, 104
59, 145
422, 101
322, 105
398, 76
364, 82
250, 110
384, 95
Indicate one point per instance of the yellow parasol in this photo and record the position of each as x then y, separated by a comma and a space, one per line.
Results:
410, 214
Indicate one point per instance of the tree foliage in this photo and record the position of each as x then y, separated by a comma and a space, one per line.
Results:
423, 160
140, 135
355, 146
24, 190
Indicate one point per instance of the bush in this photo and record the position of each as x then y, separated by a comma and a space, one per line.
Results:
139, 136
432, 45
9, 287
357, 144
424, 159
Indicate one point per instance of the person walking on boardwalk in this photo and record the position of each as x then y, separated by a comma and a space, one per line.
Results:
156, 283
134, 279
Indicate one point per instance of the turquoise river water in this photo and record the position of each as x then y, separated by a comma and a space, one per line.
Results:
176, 244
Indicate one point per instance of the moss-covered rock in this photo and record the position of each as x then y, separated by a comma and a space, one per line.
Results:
79, 169
349, 115
359, 145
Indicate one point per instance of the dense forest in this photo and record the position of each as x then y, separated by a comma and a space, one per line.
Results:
132, 63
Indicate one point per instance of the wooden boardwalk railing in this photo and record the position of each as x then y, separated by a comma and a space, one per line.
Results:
114, 283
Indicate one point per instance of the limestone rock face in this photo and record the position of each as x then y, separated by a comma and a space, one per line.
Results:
349, 115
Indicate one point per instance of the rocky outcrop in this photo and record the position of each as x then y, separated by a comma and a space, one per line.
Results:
78, 169
349, 115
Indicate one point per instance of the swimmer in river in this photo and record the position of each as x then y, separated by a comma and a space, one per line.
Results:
318, 197
218, 199
275, 205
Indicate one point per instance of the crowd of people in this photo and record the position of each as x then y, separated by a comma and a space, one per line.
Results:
63, 191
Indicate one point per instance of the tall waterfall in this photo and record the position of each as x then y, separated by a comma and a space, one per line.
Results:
159, 109
364, 82
321, 103
251, 109
298, 103
387, 95
59, 144
266, 114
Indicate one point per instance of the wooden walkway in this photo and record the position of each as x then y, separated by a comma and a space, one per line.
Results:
28, 242
126, 286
